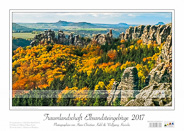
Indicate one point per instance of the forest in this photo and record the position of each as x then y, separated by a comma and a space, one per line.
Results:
73, 75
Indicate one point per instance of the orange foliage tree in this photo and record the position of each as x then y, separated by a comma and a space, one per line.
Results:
112, 54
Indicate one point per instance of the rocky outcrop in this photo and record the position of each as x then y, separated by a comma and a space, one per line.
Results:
71, 39
158, 91
126, 89
158, 94
166, 53
109, 36
162, 33
113, 93
162, 73
102, 38
49, 36
147, 33
78, 41
45, 37
138, 31
61, 38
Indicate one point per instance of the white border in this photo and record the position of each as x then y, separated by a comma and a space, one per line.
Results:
91, 108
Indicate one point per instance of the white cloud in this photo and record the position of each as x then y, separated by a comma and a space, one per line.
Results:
94, 14
133, 14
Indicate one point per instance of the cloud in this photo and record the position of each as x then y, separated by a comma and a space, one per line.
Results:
95, 14
132, 15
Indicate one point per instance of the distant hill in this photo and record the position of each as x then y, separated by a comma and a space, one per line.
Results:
64, 24
123, 24
19, 28
78, 24
120, 25
160, 23
80, 28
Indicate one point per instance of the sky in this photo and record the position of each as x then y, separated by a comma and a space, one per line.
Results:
106, 18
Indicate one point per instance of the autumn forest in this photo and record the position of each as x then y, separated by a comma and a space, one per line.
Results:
73, 70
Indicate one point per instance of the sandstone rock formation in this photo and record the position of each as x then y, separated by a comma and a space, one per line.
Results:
49, 36
46, 36
138, 31
109, 36
61, 38
159, 94
127, 88
71, 39
147, 33
102, 38
77, 41
112, 96
166, 53
158, 91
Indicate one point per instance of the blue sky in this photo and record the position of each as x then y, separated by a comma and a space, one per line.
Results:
107, 18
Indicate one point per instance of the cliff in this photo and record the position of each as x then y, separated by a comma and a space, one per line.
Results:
148, 33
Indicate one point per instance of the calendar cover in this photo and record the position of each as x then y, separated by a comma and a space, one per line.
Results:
64, 59
97, 69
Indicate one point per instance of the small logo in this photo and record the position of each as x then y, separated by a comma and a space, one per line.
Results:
169, 124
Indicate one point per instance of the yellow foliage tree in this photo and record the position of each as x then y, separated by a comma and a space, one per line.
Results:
100, 86
109, 86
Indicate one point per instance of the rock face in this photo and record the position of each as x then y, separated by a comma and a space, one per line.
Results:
166, 53
147, 33
138, 31
163, 71
127, 88
158, 91
129, 79
102, 38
